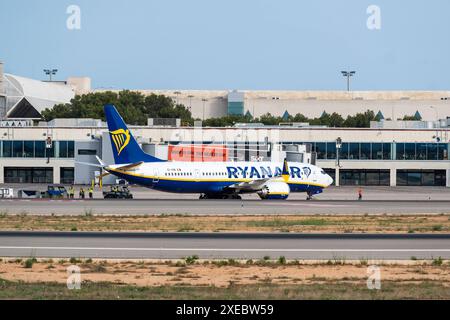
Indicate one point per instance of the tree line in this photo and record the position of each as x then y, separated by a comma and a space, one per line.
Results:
359, 120
136, 108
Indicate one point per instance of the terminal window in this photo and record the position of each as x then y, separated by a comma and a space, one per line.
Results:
353, 150
422, 151
28, 175
381, 151
421, 177
67, 175
87, 152
36, 149
364, 177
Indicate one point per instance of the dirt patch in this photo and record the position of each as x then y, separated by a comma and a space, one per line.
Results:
216, 274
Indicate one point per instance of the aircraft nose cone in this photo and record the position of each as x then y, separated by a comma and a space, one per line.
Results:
329, 180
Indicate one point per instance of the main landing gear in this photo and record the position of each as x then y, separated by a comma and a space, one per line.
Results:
233, 196
309, 196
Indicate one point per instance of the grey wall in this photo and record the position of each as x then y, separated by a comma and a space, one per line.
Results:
107, 156
83, 173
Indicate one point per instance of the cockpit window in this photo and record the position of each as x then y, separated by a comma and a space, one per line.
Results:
323, 172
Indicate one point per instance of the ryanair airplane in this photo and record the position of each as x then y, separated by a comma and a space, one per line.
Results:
212, 180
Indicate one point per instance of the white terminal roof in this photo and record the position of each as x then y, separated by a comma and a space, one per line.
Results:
39, 94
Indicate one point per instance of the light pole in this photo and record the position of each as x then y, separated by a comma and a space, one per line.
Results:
50, 73
190, 102
438, 139
204, 100
348, 74
338, 149
337, 174
177, 93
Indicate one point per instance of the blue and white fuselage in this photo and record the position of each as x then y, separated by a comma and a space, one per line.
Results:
218, 177
270, 180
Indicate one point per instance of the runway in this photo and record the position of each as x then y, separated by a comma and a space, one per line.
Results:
219, 245
217, 207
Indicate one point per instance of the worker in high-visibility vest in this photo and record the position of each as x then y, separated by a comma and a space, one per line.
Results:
71, 192
81, 193
91, 192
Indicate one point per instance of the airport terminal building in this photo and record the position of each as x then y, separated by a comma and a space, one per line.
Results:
390, 153
385, 157
205, 104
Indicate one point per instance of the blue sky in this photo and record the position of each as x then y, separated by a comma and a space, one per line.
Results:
231, 44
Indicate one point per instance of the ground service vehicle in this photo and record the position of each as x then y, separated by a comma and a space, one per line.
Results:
118, 192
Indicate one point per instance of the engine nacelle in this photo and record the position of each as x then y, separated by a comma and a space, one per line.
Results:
274, 190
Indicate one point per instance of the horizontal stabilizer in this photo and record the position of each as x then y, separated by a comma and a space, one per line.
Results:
89, 164
100, 161
129, 166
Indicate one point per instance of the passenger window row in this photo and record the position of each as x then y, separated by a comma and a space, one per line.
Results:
178, 174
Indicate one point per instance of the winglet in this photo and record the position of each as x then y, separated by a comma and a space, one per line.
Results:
285, 173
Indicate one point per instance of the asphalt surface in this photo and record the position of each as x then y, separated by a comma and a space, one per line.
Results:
380, 193
216, 207
213, 245
334, 200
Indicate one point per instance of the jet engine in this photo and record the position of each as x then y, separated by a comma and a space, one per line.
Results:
274, 190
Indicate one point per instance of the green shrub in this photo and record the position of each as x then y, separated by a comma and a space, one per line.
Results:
438, 261
191, 259
29, 263
232, 262
221, 263
88, 213
74, 260
437, 227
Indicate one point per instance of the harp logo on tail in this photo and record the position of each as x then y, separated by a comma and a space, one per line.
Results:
121, 138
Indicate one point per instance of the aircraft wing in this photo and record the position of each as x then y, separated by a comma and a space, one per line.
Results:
253, 185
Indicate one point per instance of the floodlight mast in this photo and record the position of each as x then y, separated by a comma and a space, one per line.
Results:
50, 73
348, 74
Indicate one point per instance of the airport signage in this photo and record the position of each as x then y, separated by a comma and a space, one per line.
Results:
16, 123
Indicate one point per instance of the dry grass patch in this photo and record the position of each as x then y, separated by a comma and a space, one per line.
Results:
279, 223
159, 280
222, 273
